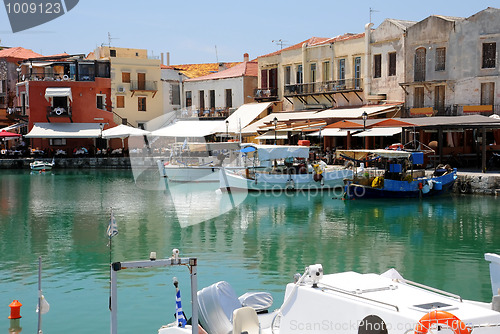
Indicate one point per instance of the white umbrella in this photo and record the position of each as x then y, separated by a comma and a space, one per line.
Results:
123, 131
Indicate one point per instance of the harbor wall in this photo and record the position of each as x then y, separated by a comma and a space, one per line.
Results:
477, 183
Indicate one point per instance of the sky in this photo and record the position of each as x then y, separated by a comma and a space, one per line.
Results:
210, 31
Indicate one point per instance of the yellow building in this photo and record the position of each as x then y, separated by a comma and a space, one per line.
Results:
135, 85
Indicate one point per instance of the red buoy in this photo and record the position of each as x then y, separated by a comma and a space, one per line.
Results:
15, 310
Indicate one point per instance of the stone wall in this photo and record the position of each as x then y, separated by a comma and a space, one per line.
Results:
111, 162
478, 183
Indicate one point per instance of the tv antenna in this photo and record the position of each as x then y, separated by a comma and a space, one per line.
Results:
280, 42
372, 11
109, 40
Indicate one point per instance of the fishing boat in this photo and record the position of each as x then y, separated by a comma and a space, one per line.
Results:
200, 162
397, 177
294, 174
40, 165
346, 303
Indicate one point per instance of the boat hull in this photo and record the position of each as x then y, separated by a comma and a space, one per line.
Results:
403, 189
283, 182
41, 165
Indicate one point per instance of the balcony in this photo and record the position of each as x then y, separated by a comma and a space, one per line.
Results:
59, 112
144, 86
265, 94
16, 114
51, 76
327, 87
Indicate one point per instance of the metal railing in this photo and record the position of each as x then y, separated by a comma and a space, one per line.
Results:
265, 93
143, 85
451, 110
58, 111
51, 76
333, 86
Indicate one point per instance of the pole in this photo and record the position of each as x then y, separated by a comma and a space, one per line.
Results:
194, 294
113, 300
39, 295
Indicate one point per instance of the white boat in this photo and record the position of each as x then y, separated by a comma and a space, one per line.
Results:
345, 303
202, 163
294, 177
42, 165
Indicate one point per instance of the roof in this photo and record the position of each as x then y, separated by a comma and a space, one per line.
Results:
260, 125
245, 69
18, 53
64, 130
315, 41
356, 112
198, 70
345, 125
402, 23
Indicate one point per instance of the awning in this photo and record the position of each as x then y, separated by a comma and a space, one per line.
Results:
65, 130
378, 132
190, 129
270, 135
344, 113
58, 92
123, 131
271, 152
331, 132
243, 116
13, 126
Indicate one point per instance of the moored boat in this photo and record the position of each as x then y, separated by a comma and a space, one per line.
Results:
296, 174
397, 179
40, 165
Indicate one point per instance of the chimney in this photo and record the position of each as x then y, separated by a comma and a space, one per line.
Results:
222, 67
168, 58
162, 58
245, 57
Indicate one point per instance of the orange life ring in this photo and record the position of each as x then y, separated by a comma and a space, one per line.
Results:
444, 318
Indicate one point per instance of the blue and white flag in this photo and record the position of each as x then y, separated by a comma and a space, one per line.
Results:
179, 315
112, 227
185, 144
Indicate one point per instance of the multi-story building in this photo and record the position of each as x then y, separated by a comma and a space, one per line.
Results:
217, 94
452, 65
67, 100
317, 73
10, 111
136, 93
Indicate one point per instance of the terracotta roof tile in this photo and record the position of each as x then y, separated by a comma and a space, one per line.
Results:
198, 70
18, 53
245, 69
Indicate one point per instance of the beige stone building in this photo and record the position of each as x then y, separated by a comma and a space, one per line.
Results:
136, 91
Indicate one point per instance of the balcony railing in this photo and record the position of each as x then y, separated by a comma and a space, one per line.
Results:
268, 94
143, 85
58, 111
451, 110
51, 76
326, 87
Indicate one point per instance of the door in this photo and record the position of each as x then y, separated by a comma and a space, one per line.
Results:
357, 72
141, 81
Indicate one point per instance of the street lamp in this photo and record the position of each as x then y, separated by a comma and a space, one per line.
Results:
365, 116
275, 121
227, 130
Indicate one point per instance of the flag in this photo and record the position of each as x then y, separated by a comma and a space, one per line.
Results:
112, 227
44, 306
185, 144
179, 315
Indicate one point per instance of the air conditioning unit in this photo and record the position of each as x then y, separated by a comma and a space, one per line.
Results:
121, 89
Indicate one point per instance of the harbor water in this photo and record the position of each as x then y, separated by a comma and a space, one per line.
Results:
256, 242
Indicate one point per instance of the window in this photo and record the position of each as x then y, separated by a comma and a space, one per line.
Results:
57, 142
440, 59
439, 98
357, 72
313, 73
377, 66
341, 69
299, 75
101, 101
288, 75
418, 98
175, 98
419, 70
189, 99
112, 53
263, 79
326, 71
120, 101
392, 64
489, 55
126, 77
229, 98
487, 93
141, 103
212, 99
3, 86
201, 100
269, 78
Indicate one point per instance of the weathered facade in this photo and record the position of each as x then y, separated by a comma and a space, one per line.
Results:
452, 65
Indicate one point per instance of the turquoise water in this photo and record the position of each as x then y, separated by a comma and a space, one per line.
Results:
257, 245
